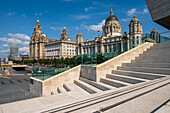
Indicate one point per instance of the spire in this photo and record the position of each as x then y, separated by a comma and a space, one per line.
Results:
64, 29
111, 12
38, 20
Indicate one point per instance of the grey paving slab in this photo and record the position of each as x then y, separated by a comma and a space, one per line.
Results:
14, 89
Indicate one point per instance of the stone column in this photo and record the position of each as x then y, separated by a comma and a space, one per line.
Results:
32, 51
122, 48
82, 51
40, 50
112, 47
35, 50
102, 48
108, 29
128, 45
96, 48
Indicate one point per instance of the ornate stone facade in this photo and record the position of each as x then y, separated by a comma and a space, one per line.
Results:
63, 48
155, 35
112, 27
36, 46
112, 39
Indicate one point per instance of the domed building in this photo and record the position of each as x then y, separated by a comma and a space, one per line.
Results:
112, 40
112, 26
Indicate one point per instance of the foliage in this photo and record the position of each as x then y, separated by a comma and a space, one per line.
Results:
74, 61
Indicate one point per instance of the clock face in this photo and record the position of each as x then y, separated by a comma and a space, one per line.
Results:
39, 31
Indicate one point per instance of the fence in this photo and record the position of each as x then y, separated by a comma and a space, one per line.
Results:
43, 73
113, 50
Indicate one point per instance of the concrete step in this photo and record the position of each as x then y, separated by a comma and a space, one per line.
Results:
96, 99
95, 84
159, 45
107, 102
112, 82
157, 51
108, 86
151, 57
147, 70
74, 88
90, 89
163, 47
151, 61
154, 65
66, 88
61, 90
123, 79
134, 74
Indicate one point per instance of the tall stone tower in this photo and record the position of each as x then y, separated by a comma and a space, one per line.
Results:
64, 35
135, 32
79, 38
36, 46
155, 35
135, 26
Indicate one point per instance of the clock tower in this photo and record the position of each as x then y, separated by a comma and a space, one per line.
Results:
36, 46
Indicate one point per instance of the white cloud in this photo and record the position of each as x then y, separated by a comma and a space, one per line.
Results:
10, 40
131, 12
94, 27
19, 36
89, 8
25, 49
145, 10
11, 13
55, 28
26, 43
82, 17
125, 19
13, 39
5, 45
97, 27
38, 14
134, 11
77, 28
23, 15
4, 51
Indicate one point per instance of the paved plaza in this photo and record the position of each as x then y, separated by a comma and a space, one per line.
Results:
14, 88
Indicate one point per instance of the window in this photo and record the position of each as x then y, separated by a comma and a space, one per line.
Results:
137, 42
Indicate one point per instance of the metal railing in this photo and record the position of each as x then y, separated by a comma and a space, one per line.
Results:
43, 73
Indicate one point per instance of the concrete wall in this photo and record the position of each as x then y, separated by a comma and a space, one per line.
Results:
88, 72
100, 71
49, 86
36, 86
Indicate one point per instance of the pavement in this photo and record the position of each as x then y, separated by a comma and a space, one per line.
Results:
153, 100
14, 88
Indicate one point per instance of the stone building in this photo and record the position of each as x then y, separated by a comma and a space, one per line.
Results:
112, 39
36, 46
63, 48
155, 35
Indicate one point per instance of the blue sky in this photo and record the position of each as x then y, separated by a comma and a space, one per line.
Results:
18, 18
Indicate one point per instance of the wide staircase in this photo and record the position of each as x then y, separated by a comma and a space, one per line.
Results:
147, 73
152, 64
150, 68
